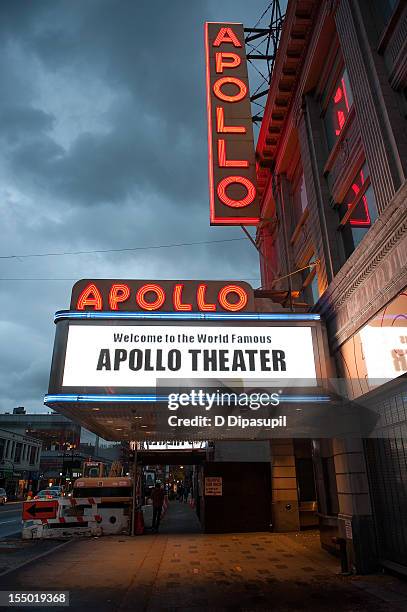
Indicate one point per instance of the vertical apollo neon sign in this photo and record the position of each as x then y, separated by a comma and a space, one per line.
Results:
232, 170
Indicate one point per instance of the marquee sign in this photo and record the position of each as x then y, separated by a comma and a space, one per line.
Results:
137, 356
127, 352
232, 171
165, 296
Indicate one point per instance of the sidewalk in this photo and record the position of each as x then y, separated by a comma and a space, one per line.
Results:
179, 518
196, 571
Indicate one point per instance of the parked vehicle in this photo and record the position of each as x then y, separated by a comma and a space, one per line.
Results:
3, 496
47, 494
58, 489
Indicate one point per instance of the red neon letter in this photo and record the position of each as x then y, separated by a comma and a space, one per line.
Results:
228, 163
222, 96
176, 299
226, 35
118, 293
221, 191
220, 56
142, 302
366, 222
221, 128
90, 296
340, 113
224, 302
200, 298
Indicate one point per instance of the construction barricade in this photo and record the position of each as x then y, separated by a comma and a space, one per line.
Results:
67, 517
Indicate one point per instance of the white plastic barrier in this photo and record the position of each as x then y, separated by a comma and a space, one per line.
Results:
79, 517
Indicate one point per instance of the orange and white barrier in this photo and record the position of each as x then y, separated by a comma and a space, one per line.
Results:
79, 517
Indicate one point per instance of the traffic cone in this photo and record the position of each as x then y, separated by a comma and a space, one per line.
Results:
139, 523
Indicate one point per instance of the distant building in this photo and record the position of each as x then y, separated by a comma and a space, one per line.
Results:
19, 462
63, 451
56, 432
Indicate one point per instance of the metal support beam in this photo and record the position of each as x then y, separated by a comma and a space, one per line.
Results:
259, 56
259, 95
265, 49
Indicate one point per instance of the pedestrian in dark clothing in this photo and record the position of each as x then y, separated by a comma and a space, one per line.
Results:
158, 499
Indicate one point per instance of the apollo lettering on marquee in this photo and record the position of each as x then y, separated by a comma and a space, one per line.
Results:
232, 171
166, 296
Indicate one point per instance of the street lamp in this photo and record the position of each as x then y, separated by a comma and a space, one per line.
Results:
67, 447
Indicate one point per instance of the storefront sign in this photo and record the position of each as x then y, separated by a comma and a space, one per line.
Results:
232, 171
165, 296
213, 486
136, 356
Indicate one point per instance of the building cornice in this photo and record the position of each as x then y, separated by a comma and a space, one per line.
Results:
295, 36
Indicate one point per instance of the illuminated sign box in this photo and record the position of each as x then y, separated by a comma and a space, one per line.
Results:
100, 353
232, 171
137, 355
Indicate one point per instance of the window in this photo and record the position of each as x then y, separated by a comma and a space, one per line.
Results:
300, 197
17, 456
33, 453
2, 446
358, 210
310, 284
339, 105
383, 10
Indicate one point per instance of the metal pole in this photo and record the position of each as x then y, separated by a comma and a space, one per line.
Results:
133, 518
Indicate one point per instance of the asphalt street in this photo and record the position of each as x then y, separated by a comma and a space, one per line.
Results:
10, 519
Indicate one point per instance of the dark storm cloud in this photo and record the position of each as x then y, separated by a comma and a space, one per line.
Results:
156, 137
103, 140
134, 155
17, 122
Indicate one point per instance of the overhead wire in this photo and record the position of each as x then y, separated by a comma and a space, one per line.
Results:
123, 250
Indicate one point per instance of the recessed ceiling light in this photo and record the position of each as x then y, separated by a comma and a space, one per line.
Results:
119, 428
144, 426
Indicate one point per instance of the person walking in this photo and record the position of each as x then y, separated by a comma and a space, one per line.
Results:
158, 499
180, 492
186, 493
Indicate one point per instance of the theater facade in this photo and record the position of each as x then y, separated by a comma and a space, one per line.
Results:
331, 169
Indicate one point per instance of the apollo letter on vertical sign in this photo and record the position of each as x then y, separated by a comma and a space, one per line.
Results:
232, 171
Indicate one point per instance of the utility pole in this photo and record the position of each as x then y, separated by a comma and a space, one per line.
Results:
133, 518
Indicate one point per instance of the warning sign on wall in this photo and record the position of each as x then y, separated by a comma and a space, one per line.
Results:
213, 485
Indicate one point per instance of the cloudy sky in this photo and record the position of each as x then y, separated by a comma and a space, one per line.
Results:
103, 146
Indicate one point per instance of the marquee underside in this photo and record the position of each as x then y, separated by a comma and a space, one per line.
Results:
326, 416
